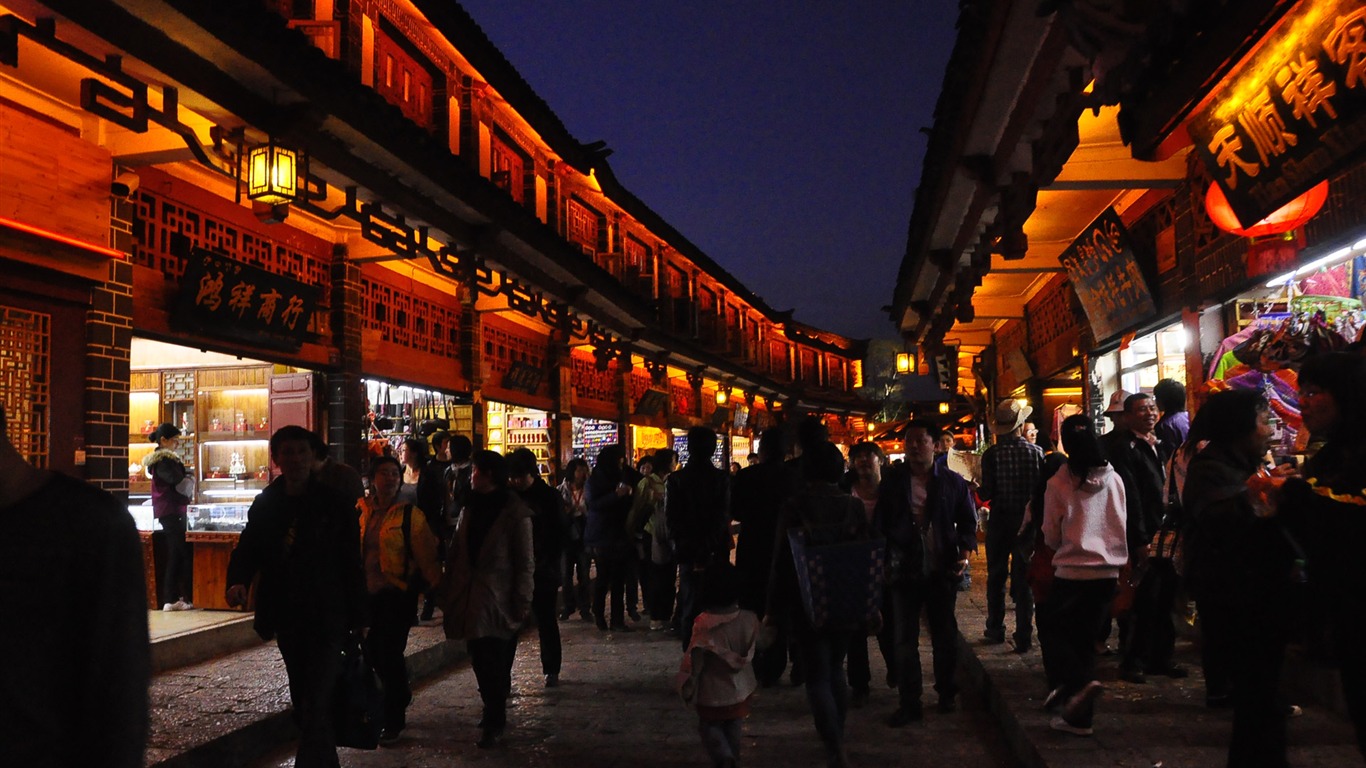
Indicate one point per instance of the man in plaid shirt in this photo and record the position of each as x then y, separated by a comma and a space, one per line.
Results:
1010, 470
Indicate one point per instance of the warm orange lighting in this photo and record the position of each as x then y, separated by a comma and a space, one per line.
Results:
45, 234
943, 408
272, 174
1290, 216
905, 362
722, 397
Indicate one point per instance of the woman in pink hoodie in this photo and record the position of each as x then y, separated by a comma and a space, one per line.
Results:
1084, 524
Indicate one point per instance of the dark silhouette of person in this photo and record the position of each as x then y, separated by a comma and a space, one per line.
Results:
75, 681
302, 539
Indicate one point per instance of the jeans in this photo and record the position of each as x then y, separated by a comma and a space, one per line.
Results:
689, 599
827, 688
663, 591
611, 578
391, 616
1151, 636
543, 595
491, 658
576, 595
1008, 556
175, 581
860, 670
1252, 638
312, 662
936, 596
721, 739
1067, 635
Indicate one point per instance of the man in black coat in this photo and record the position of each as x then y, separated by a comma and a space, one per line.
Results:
547, 541
1140, 457
303, 539
697, 509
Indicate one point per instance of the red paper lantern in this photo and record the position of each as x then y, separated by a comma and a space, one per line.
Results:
1290, 216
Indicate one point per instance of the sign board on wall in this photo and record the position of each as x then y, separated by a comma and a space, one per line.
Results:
1104, 272
223, 297
1288, 115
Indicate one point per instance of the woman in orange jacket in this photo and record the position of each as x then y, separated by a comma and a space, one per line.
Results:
399, 550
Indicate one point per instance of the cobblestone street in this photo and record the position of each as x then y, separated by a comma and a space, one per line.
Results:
615, 707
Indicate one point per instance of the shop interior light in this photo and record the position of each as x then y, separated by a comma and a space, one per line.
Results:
905, 362
1340, 254
272, 173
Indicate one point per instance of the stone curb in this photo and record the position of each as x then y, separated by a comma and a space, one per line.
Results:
253, 741
1015, 734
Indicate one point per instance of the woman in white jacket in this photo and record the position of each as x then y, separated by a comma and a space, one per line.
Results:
1084, 524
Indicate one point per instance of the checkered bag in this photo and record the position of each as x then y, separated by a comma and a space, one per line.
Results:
840, 584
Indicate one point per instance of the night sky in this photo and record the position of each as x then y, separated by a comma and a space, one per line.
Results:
783, 139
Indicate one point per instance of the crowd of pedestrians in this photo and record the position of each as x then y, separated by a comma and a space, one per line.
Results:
798, 560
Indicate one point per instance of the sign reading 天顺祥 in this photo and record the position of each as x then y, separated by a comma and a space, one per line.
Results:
1106, 277
223, 297
1291, 113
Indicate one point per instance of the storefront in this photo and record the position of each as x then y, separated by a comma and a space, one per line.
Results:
511, 427
226, 408
589, 437
397, 411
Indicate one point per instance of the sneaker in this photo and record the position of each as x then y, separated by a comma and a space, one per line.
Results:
1293, 710
389, 735
1059, 723
657, 625
1053, 700
490, 738
994, 636
552, 680
1133, 676
1082, 698
168, 607
904, 716
183, 605
564, 615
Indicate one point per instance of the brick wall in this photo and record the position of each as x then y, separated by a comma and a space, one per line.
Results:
109, 339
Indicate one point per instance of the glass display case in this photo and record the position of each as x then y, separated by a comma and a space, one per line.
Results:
232, 409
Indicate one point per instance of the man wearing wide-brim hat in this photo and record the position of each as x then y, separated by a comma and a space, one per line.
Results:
1010, 470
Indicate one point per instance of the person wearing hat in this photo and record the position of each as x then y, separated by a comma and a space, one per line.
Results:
171, 491
1010, 471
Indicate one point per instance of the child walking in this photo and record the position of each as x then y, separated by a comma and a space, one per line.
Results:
716, 676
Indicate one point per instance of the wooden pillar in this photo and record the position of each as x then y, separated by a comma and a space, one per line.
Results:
345, 397
472, 360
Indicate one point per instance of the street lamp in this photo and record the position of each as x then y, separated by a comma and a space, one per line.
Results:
272, 173
905, 362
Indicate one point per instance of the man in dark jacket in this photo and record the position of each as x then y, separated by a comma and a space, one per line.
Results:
547, 539
758, 496
1140, 457
697, 509
606, 537
303, 539
930, 524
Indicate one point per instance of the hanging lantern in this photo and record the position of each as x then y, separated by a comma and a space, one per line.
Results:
943, 408
1292, 215
905, 362
272, 173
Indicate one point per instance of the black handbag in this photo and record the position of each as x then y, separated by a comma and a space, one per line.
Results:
358, 701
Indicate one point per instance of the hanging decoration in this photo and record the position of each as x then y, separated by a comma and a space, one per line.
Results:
1292, 215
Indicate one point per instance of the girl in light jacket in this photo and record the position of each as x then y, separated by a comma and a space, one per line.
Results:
717, 673
1084, 524
395, 563
486, 596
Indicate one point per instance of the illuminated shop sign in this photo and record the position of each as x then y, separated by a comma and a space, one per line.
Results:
1291, 112
1106, 277
223, 297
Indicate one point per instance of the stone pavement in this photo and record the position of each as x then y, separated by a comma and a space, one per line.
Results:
615, 707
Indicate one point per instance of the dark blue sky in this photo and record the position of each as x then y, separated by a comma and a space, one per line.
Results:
781, 138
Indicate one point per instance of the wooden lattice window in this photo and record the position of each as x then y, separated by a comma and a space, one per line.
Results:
637, 256
25, 381
581, 226
508, 169
591, 383
410, 321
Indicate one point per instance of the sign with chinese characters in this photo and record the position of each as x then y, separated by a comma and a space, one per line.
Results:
523, 377
1289, 114
223, 297
1106, 277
